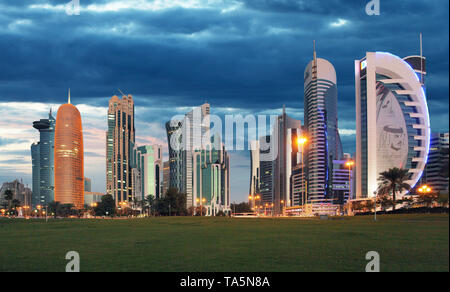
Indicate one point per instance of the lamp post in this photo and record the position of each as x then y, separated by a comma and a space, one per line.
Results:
203, 200
349, 164
301, 141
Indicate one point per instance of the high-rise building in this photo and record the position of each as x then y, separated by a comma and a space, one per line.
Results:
434, 171
286, 134
147, 168
184, 137
119, 138
342, 179
254, 172
20, 192
166, 177
321, 123
176, 155
267, 169
69, 156
43, 166
211, 179
87, 185
392, 120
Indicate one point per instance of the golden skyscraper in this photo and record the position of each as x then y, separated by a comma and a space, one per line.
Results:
69, 154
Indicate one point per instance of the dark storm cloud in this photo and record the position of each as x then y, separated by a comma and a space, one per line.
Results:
251, 59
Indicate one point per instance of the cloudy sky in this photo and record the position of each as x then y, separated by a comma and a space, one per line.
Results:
242, 56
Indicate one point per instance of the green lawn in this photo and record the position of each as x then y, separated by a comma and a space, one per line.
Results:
404, 242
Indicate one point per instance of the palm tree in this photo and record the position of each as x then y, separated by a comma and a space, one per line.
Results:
393, 181
9, 195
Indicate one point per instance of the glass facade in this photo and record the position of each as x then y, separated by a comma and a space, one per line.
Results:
321, 122
120, 135
69, 155
42, 156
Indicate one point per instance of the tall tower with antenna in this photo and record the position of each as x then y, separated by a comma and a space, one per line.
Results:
321, 123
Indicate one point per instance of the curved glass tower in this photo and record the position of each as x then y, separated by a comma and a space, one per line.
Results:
43, 162
69, 153
392, 120
320, 115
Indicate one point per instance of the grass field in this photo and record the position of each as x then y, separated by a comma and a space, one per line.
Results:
404, 242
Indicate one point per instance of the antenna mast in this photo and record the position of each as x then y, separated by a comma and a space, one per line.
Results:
421, 60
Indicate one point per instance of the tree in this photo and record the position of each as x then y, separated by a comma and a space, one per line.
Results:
428, 199
173, 203
200, 211
393, 181
150, 202
9, 195
15, 204
443, 199
368, 205
106, 207
241, 207
384, 201
54, 207
408, 201
67, 210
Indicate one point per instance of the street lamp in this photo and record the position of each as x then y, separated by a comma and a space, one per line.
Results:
203, 200
425, 189
302, 141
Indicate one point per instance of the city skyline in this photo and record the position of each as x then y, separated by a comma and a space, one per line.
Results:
281, 83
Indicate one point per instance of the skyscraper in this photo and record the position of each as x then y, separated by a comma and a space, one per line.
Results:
254, 172
185, 135
42, 157
166, 177
119, 137
286, 133
176, 155
392, 120
69, 156
321, 122
433, 175
267, 169
211, 178
146, 162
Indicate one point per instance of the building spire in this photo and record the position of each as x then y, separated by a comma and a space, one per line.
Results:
314, 48
69, 97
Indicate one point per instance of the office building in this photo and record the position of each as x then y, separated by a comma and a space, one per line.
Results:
185, 136
42, 159
119, 138
321, 124
91, 198
254, 172
147, 169
87, 185
176, 155
211, 179
392, 120
266, 167
438, 158
69, 156
20, 192
286, 134
166, 177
